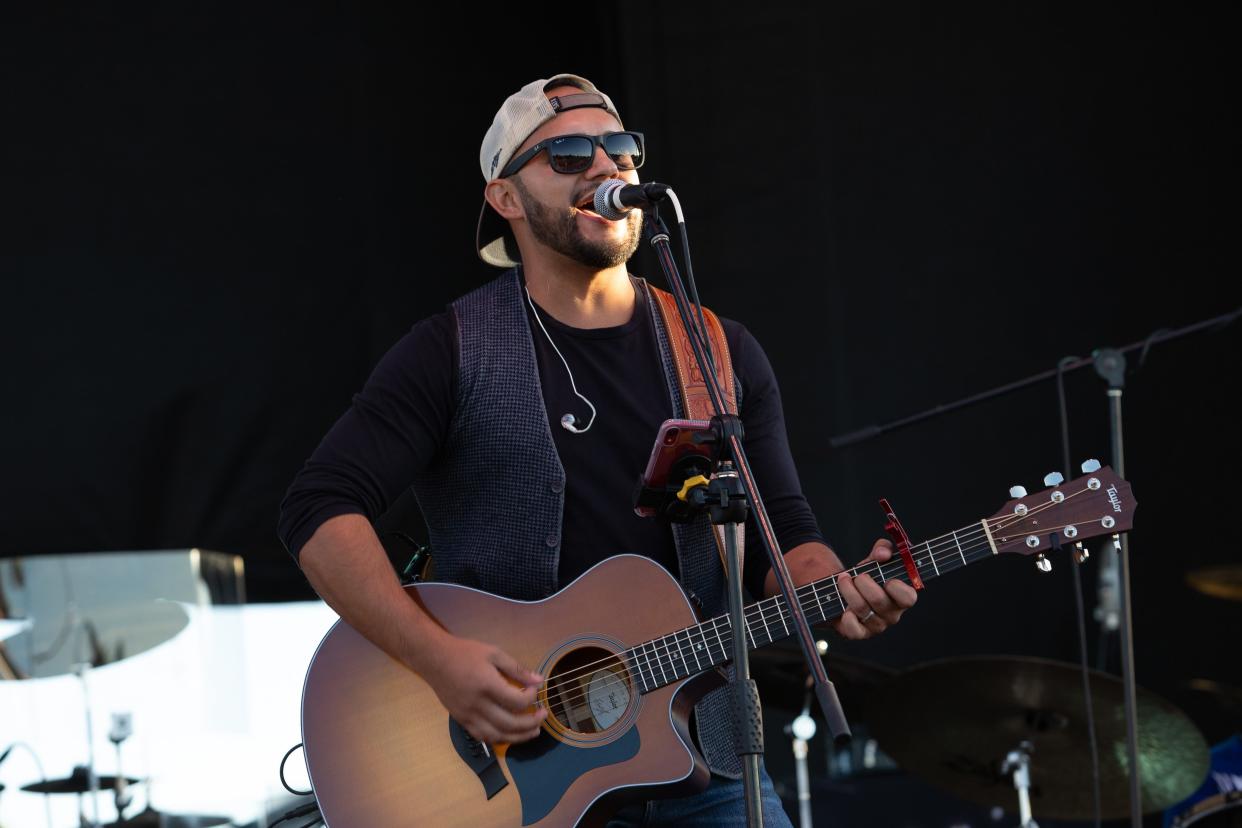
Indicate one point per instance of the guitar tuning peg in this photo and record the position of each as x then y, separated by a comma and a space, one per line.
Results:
1017, 491
1080, 553
1042, 563
1054, 479
1090, 466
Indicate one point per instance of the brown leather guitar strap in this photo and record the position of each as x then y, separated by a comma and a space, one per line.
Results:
696, 401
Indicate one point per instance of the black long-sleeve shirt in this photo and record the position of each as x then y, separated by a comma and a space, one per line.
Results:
398, 423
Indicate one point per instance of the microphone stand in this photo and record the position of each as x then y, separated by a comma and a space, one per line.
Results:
1111, 365
731, 491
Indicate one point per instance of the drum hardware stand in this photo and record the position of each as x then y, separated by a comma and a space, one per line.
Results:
1018, 762
802, 729
80, 669
122, 729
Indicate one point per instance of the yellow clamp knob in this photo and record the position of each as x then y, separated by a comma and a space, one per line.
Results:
691, 482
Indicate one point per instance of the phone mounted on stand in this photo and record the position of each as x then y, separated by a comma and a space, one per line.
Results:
683, 450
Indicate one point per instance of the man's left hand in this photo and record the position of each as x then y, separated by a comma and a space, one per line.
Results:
870, 608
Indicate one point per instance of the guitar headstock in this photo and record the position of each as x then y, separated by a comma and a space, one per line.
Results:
1098, 503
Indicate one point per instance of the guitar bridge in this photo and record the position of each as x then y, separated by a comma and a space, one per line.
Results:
479, 758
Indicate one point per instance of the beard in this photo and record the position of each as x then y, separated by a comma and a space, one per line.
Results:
558, 230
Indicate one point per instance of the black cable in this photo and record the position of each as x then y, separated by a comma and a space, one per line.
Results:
282, 774
1078, 603
1155, 337
1163, 335
47, 804
301, 810
694, 292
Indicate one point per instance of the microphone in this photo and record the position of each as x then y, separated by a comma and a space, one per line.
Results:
615, 198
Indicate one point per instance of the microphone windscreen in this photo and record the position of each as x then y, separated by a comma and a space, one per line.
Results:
603, 201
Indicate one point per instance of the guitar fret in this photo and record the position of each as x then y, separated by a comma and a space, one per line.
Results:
660, 662
959, 547
693, 651
648, 651
819, 605
681, 658
764, 619
650, 684
704, 646
678, 663
932, 556
782, 611
639, 669
724, 651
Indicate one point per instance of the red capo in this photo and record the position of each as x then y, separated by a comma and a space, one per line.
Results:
902, 542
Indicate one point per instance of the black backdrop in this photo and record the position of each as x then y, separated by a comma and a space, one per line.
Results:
220, 215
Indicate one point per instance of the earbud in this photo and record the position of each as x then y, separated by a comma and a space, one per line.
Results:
568, 420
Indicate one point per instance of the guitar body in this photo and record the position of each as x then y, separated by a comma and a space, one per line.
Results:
382, 751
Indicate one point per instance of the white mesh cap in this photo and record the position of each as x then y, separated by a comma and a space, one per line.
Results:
522, 113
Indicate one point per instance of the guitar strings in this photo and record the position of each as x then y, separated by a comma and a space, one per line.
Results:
944, 548
662, 654
724, 641
897, 566
723, 635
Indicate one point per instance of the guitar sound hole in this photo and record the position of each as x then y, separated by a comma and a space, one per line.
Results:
588, 690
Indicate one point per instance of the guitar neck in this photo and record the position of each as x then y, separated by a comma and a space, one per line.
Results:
692, 650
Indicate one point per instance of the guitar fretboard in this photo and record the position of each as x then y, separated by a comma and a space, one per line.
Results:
692, 650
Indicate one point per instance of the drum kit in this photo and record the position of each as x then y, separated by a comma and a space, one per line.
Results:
80, 783
1010, 733
110, 617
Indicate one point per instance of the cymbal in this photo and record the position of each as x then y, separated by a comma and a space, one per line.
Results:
1227, 696
151, 818
111, 633
953, 721
1222, 581
77, 782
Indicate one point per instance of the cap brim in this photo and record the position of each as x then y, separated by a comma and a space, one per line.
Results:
494, 239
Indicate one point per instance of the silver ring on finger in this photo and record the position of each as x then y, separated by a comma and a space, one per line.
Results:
864, 619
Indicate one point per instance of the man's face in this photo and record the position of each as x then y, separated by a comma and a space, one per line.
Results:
559, 208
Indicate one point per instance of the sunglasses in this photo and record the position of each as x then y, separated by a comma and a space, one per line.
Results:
570, 154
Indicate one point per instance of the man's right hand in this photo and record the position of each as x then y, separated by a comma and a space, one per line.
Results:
484, 689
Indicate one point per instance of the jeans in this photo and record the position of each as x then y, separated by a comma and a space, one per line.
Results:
721, 805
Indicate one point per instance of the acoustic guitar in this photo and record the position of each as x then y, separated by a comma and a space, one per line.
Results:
625, 659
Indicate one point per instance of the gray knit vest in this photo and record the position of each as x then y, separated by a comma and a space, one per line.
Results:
496, 526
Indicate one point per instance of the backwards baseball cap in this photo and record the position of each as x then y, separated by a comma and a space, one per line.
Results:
522, 113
